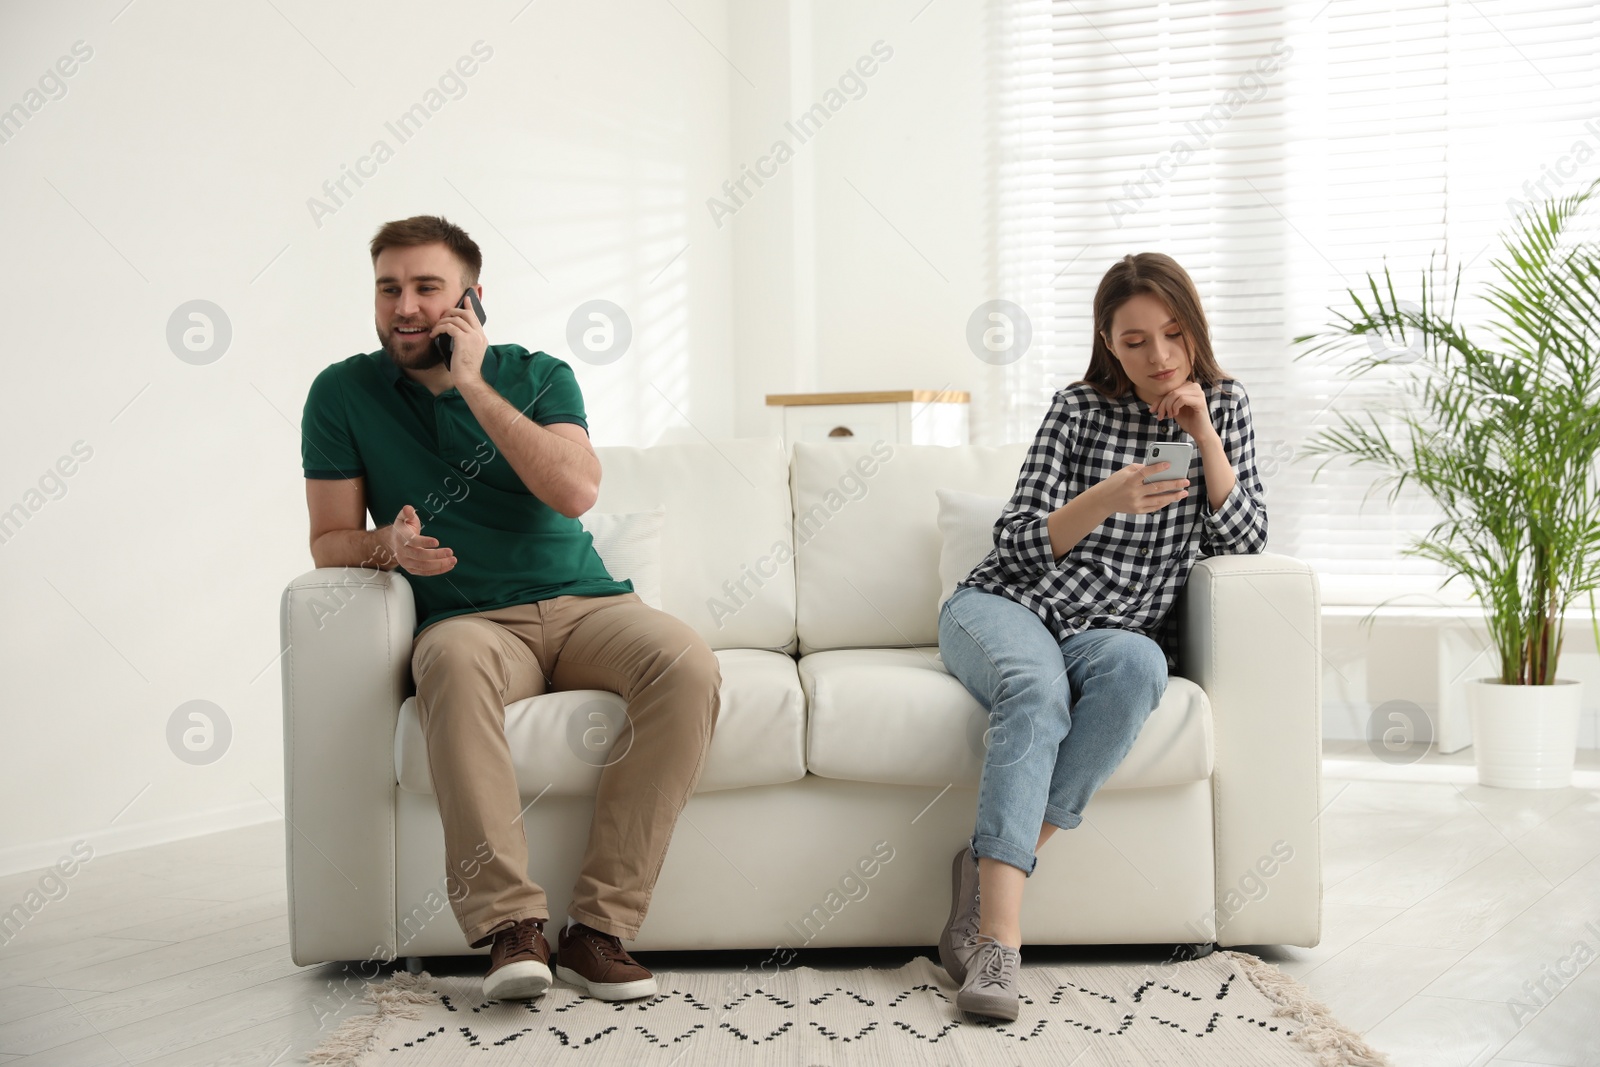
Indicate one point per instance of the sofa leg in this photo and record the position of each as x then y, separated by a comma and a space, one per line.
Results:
414, 964
1197, 950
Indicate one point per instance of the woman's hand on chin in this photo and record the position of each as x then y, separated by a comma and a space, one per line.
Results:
1186, 404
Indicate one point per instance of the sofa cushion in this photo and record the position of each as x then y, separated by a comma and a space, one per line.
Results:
560, 741
867, 536
966, 535
727, 565
895, 716
629, 545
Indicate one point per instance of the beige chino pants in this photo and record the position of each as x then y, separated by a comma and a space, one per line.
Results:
469, 667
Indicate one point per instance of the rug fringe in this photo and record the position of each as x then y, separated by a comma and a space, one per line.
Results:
1335, 1044
355, 1036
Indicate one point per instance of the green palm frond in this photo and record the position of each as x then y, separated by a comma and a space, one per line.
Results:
1501, 426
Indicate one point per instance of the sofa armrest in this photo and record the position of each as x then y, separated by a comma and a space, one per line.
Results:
346, 636
1251, 637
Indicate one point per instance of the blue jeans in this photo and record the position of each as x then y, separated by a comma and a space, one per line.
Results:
1061, 716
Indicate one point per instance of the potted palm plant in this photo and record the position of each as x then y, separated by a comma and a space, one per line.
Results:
1499, 424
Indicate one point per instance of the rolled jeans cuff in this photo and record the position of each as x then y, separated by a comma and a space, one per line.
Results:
1066, 820
994, 848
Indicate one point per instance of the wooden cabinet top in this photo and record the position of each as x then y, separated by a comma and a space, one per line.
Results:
895, 396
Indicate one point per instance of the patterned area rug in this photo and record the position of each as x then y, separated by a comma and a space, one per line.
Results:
1227, 1009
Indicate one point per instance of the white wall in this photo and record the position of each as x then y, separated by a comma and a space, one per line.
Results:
860, 262
1367, 667
177, 166
901, 197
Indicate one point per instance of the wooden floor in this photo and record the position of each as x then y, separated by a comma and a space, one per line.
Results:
1446, 906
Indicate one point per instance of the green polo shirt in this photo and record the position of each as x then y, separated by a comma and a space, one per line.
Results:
364, 418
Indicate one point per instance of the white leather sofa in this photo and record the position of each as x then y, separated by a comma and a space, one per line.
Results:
843, 770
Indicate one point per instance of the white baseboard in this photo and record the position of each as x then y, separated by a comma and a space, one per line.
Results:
1372, 770
1343, 721
110, 840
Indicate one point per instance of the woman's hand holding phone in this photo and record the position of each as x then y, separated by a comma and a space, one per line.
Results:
1127, 493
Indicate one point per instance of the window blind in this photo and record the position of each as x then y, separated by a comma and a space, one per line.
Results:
1279, 152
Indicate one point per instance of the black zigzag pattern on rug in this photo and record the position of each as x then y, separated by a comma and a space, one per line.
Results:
571, 1020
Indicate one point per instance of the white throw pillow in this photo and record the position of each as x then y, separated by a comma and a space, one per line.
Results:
629, 544
966, 524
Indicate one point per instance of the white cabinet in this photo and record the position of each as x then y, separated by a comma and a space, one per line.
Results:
906, 417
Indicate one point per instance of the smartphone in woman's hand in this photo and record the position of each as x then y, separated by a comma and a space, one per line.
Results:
1177, 453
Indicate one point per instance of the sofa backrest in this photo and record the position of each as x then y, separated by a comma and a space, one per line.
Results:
727, 566
867, 536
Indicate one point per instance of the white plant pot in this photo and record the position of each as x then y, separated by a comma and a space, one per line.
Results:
1524, 736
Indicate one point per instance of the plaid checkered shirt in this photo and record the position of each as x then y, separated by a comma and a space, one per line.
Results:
1128, 571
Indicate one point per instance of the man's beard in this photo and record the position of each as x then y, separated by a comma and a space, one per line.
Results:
419, 354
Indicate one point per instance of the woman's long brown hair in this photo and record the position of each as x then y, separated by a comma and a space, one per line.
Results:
1160, 276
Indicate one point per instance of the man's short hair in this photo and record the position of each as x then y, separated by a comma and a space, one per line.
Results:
427, 230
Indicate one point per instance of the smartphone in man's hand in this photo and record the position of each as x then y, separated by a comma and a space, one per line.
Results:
444, 344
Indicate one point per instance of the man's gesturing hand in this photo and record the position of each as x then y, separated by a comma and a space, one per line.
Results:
417, 554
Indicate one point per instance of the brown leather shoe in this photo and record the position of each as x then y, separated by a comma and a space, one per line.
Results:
519, 962
597, 962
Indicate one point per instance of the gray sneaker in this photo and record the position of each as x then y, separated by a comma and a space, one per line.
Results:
955, 944
991, 985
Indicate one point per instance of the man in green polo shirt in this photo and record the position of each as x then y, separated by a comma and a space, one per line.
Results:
483, 468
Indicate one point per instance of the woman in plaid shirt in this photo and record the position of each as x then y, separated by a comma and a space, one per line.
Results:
1064, 631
